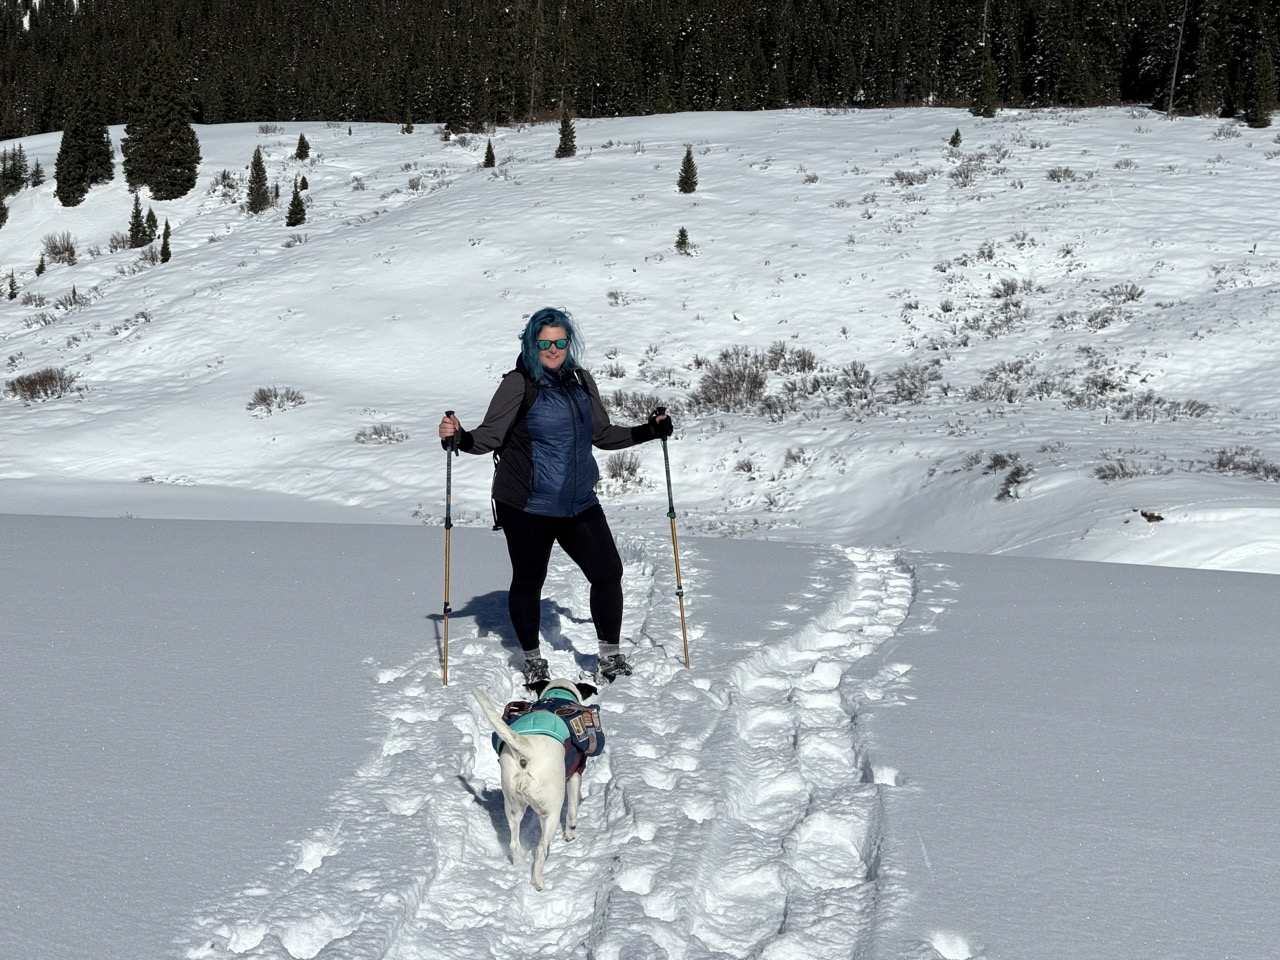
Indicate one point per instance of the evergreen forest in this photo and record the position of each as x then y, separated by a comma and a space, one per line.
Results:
473, 63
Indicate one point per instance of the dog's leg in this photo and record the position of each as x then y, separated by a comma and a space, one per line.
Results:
573, 797
549, 817
515, 813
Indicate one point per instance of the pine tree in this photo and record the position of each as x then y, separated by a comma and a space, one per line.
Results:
489, 159
303, 150
85, 157
13, 171
165, 252
161, 151
153, 227
986, 102
1260, 92
568, 145
688, 181
259, 194
137, 225
297, 214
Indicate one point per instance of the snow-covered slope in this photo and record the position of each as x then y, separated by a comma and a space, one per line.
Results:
1080, 291
230, 740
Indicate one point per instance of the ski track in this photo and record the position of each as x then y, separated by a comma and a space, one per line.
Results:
679, 851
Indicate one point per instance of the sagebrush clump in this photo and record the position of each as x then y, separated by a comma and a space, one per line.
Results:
47, 384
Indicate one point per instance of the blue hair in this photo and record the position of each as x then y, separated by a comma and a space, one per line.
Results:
550, 317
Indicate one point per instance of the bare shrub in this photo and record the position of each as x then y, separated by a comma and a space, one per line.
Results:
732, 383
267, 400
381, 433
795, 458
60, 247
910, 382
72, 300
1123, 293
47, 384
781, 358
1247, 461
1118, 469
1018, 474
966, 175
910, 178
1150, 406
636, 406
623, 465
1006, 288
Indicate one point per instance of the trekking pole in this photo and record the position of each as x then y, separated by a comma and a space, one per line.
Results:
675, 546
449, 452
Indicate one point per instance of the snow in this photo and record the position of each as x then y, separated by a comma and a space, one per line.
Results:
919, 721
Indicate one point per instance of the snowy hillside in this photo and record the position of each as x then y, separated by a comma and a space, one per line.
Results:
916, 725
1066, 294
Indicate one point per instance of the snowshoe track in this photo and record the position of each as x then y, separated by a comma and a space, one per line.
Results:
735, 817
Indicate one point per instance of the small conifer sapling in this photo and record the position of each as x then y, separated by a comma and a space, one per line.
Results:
137, 224
568, 145
297, 214
688, 180
259, 193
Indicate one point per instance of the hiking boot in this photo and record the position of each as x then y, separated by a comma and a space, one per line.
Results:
613, 666
536, 671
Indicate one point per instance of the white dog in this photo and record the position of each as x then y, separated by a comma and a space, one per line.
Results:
533, 775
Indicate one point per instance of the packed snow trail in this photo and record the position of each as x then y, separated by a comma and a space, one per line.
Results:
734, 812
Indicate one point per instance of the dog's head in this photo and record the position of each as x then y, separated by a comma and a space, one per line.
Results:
579, 691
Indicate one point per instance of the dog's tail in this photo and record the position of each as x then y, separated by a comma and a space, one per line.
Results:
518, 742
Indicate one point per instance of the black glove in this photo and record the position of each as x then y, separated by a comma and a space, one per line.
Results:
661, 428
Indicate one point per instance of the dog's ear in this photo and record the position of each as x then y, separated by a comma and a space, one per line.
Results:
586, 689
538, 687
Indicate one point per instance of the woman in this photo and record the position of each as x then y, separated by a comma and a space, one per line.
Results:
542, 421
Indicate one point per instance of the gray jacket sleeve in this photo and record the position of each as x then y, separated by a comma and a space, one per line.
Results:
502, 413
605, 434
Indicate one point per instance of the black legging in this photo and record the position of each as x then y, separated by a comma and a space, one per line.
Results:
588, 542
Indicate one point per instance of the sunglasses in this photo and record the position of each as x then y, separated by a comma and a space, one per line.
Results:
546, 344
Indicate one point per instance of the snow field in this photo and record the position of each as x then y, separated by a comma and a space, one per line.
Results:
733, 813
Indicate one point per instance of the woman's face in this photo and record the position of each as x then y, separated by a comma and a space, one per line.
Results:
553, 356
